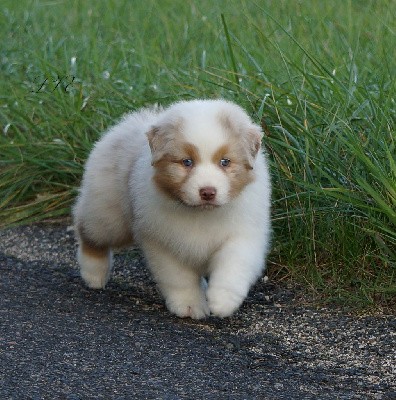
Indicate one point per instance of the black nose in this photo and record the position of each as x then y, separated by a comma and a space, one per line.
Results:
207, 193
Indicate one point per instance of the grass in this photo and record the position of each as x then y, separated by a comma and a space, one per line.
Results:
318, 76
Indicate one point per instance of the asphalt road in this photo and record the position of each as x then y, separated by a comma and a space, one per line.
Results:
59, 340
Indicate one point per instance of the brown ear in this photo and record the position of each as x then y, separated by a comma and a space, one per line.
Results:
157, 142
152, 136
254, 137
161, 137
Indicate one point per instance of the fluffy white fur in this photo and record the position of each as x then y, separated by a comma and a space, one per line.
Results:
136, 189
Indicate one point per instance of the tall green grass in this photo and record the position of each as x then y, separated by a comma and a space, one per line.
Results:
318, 76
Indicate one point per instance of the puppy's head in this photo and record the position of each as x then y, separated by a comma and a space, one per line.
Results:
203, 152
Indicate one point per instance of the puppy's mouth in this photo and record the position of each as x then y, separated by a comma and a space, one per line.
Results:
207, 206
200, 206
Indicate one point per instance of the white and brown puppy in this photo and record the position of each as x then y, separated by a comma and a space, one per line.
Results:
191, 187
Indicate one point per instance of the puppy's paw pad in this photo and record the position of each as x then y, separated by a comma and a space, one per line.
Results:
223, 302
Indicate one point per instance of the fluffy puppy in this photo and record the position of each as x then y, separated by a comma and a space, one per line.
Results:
190, 186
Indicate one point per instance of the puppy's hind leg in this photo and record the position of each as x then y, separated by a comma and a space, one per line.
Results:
95, 264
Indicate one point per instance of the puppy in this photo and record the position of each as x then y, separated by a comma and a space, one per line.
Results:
190, 186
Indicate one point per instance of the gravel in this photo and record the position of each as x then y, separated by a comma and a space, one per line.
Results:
61, 340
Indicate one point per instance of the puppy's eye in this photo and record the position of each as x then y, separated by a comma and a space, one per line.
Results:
225, 162
187, 162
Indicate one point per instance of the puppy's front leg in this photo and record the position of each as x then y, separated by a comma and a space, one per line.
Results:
233, 269
181, 286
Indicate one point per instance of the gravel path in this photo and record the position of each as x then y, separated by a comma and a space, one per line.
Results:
59, 340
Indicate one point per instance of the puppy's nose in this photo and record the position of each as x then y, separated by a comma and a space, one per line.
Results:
207, 193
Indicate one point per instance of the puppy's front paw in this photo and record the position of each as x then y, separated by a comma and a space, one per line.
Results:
223, 302
187, 304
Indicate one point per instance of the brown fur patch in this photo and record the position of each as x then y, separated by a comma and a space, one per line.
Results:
222, 152
238, 171
170, 173
96, 252
191, 152
240, 177
169, 177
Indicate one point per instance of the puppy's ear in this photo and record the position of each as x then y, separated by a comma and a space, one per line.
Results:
161, 137
153, 138
157, 143
254, 137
